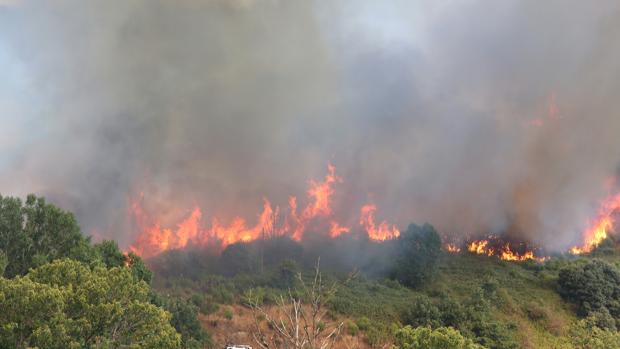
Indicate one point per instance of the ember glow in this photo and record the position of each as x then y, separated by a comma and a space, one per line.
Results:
153, 239
452, 248
600, 228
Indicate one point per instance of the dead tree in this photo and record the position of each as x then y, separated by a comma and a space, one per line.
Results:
298, 319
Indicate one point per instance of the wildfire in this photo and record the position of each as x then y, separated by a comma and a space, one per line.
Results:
380, 232
154, 239
452, 248
503, 250
600, 228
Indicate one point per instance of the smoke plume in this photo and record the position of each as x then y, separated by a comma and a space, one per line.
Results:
474, 116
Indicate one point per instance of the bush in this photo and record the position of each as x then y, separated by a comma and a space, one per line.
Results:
584, 334
378, 336
228, 314
426, 338
535, 312
422, 313
185, 321
417, 252
593, 286
363, 323
205, 303
352, 328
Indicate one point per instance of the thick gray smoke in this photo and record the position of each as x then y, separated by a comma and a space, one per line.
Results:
475, 116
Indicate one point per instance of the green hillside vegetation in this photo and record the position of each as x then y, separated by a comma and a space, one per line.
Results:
58, 290
494, 303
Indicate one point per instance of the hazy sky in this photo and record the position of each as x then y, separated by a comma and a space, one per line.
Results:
475, 116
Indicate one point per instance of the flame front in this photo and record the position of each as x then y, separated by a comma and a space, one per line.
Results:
600, 228
381, 232
154, 239
505, 251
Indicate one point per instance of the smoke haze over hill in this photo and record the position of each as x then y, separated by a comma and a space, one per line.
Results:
473, 116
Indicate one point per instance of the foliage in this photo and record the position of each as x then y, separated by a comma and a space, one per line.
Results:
416, 255
35, 232
422, 313
473, 318
585, 334
110, 254
66, 304
593, 285
185, 321
427, 338
352, 328
138, 268
363, 323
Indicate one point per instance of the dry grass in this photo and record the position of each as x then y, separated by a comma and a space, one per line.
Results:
238, 330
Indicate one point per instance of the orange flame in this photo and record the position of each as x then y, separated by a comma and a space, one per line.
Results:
336, 229
600, 228
479, 247
154, 239
452, 248
381, 232
504, 252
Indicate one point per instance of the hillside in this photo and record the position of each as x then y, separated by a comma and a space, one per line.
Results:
525, 309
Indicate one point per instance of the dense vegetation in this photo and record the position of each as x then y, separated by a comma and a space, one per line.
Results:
492, 303
58, 290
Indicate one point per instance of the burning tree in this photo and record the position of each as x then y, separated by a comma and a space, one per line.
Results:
298, 320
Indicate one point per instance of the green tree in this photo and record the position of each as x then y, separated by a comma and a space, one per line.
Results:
593, 285
138, 268
417, 252
185, 321
110, 254
67, 304
427, 338
35, 232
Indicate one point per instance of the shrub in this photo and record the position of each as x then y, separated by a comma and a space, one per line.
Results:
378, 336
363, 323
352, 328
584, 334
535, 312
417, 252
426, 338
593, 285
228, 314
422, 313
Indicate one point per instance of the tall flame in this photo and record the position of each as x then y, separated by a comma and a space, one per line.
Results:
154, 239
600, 228
380, 232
